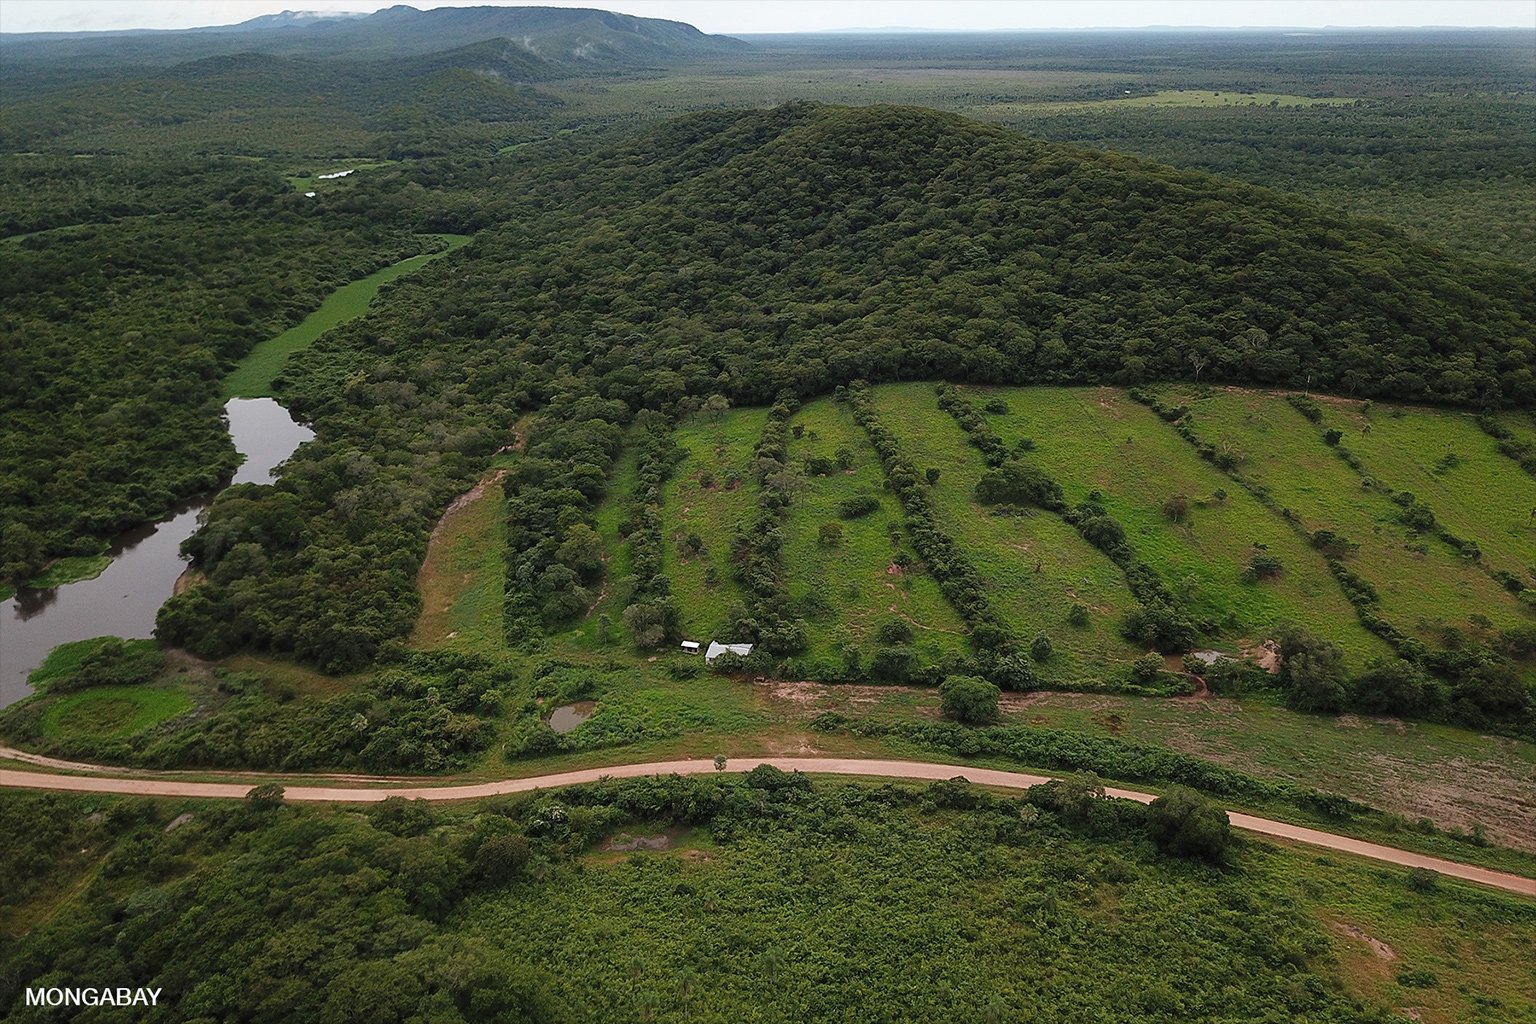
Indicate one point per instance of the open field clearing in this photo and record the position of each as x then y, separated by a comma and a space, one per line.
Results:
1037, 567
709, 494
849, 588
1424, 587
1446, 460
462, 578
1099, 439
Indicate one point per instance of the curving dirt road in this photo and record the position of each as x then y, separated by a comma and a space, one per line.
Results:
301, 788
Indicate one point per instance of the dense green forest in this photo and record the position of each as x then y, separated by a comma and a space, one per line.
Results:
763, 897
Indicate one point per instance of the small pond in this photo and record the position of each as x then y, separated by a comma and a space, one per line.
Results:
568, 716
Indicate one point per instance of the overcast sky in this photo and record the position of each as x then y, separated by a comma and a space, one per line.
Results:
747, 16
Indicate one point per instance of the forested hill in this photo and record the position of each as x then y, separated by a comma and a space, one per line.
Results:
808, 245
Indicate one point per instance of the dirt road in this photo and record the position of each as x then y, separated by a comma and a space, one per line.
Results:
305, 789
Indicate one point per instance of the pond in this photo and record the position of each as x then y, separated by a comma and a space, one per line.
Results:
569, 716
146, 561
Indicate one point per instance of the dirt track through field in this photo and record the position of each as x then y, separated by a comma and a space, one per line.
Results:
299, 789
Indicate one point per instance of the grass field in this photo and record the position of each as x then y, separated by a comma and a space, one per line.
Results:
71, 569
64, 660
719, 453
1451, 465
1454, 776
857, 578
1424, 587
463, 579
112, 712
252, 378
1098, 439
1036, 566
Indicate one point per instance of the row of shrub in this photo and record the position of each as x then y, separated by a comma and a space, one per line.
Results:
1159, 621
998, 654
757, 548
553, 553
651, 615
1523, 452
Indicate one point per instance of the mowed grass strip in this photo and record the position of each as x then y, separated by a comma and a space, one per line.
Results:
1451, 465
1099, 439
710, 492
463, 578
1036, 566
857, 578
253, 377
1424, 587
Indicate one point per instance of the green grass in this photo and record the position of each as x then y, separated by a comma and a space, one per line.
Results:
1456, 777
463, 578
1163, 98
1036, 566
64, 660
253, 377
722, 449
1451, 465
111, 712
1424, 587
855, 578
1099, 439
71, 569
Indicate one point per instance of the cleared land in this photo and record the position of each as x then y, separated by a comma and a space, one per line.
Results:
1424, 587
462, 579
850, 587
1099, 439
1037, 567
1446, 460
711, 491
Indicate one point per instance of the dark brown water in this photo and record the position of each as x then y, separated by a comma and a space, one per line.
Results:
146, 561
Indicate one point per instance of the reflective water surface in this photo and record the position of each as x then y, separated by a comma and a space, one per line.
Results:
146, 561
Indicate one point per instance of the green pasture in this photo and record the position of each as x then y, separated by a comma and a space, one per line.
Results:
1451, 465
1099, 439
1036, 566
463, 578
253, 376
857, 578
111, 712
1424, 586
721, 449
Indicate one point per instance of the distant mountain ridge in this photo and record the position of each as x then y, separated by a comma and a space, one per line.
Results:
569, 37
